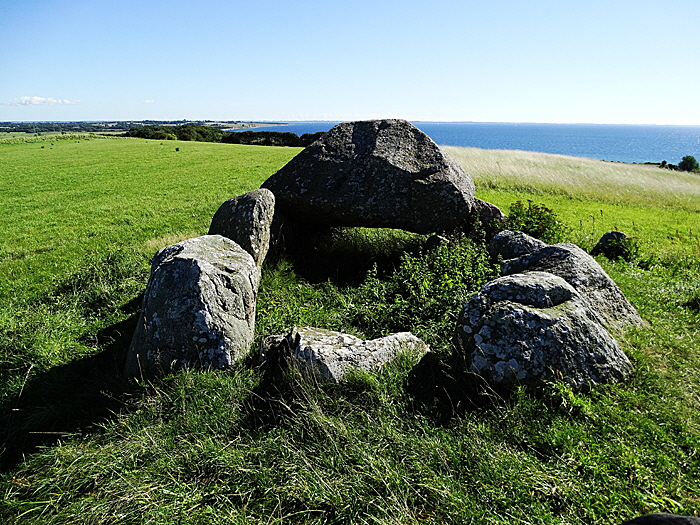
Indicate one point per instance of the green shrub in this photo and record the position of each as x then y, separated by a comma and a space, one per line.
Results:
536, 220
424, 294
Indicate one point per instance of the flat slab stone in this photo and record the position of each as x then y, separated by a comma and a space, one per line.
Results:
331, 354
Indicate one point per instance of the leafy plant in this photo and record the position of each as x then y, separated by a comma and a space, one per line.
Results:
536, 220
627, 249
424, 294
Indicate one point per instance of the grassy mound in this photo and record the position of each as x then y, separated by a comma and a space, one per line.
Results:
81, 220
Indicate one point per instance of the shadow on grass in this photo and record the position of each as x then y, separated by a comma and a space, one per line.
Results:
344, 256
70, 398
432, 388
441, 391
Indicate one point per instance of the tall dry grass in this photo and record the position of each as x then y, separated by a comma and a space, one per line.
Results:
616, 183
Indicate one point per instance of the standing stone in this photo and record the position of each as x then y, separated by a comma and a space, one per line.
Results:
377, 174
246, 220
333, 354
525, 329
198, 309
581, 271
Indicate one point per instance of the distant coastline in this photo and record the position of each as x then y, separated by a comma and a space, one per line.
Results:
611, 142
631, 143
237, 126
97, 126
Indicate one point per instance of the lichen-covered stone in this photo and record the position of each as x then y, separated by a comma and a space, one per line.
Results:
583, 272
529, 328
246, 220
198, 308
509, 244
377, 173
331, 354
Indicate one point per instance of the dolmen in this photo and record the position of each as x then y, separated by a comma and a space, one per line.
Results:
199, 306
548, 318
551, 316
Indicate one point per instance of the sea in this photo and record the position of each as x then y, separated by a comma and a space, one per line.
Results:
611, 142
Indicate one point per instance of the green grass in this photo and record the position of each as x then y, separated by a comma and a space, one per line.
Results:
75, 196
661, 208
80, 223
611, 182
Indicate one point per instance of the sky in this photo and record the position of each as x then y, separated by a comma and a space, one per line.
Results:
556, 61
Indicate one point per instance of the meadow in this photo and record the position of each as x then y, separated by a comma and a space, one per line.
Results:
81, 217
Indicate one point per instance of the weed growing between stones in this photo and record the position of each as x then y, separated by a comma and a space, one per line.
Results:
537, 221
425, 293
401, 285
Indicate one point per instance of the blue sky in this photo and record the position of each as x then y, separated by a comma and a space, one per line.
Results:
600, 61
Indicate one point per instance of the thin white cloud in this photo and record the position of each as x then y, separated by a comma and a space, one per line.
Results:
40, 101
149, 101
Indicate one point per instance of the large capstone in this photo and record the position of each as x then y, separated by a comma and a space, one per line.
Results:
526, 329
583, 272
246, 220
332, 354
198, 308
377, 173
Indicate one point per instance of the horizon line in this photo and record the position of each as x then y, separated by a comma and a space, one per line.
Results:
266, 121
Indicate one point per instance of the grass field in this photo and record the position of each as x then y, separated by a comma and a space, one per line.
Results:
81, 219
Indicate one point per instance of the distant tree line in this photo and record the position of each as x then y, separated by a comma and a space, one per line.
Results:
103, 126
208, 134
688, 163
271, 138
64, 127
183, 132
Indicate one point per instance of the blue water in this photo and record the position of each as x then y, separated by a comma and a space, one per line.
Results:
621, 143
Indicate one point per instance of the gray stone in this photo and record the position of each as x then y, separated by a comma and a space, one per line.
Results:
581, 271
378, 173
612, 245
331, 354
198, 308
246, 220
510, 244
490, 216
529, 328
